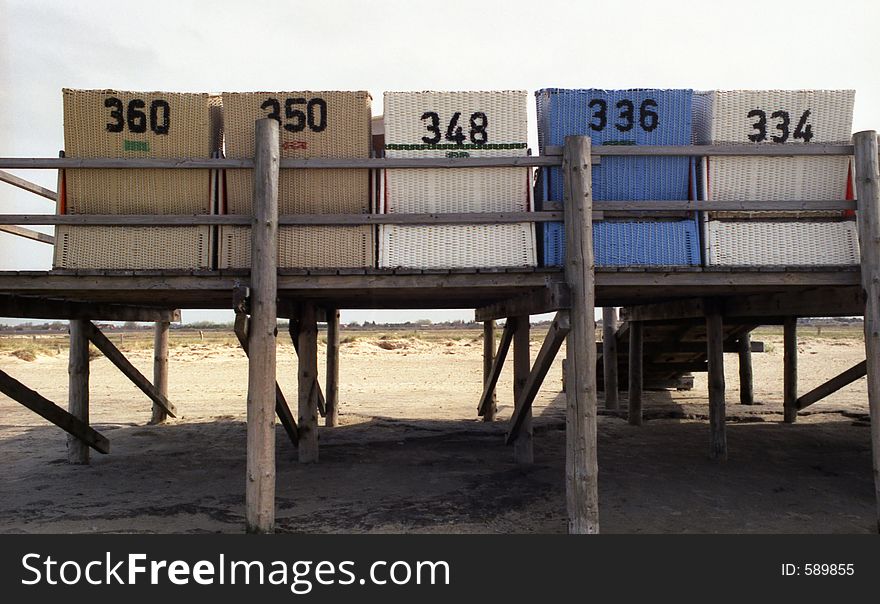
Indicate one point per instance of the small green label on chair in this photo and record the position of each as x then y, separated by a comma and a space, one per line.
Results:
136, 145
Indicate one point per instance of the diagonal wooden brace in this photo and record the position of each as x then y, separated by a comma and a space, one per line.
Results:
282, 409
552, 343
497, 364
53, 413
115, 356
833, 385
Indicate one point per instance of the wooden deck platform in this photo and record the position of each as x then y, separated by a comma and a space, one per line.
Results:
402, 288
711, 301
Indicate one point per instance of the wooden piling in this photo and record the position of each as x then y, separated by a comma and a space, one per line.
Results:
581, 462
790, 370
746, 382
78, 393
636, 372
717, 403
523, 445
308, 385
260, 484
868, 213
488, 359
160, 368
331, 401
609, 357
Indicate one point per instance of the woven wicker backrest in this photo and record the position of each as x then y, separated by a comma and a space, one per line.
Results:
620, 117
736, 116
433, 124
313, 124
775, 117
112, 123
456, 124
631, 243
133, 248
771, 243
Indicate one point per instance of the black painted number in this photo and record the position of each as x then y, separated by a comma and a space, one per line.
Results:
600, 112
295, 119
115, 105
453, 132
478, 130
626, 114
803, 131
155, 125
434, 127
135, 117
478, 133
760, 125
782, 126
649, 119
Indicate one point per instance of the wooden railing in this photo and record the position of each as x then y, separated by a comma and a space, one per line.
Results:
551, 158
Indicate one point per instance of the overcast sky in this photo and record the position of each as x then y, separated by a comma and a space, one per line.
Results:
181, 45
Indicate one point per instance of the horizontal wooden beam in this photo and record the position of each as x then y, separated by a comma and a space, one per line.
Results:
27, 185
660, 349
115, 356
552, 342
290, 219
26, 307
837, 301
830, 302
53, 413
551, 157
770, 150
833, 385
625, 207
27, 233
634, 209
70, 163
663, 207
555, 296
677, 367
497, 364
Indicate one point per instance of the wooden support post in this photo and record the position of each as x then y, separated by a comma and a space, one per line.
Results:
552, 342
790, 370
636, 372
293, 329
488, 360
746, 384
581, 462
523, 447
260, 483
308, 381
717, 404
160, 367
49, 411
609, 357
331, 405
497, 365
868, 213
78, 393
